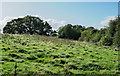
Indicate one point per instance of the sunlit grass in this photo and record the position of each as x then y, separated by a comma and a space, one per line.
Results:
50, 55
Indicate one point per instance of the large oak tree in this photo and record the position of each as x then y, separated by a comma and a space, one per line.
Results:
28, 25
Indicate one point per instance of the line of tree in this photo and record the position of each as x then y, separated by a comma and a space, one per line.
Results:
34, 25
106, 36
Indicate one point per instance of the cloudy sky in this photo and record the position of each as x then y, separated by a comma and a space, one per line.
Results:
96, 14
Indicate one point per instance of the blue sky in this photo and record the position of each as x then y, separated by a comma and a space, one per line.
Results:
96, 14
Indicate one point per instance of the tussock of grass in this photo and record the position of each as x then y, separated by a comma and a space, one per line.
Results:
36, 54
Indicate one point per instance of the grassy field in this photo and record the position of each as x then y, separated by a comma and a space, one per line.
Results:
36, 54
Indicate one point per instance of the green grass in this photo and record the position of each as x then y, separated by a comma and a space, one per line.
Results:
50, 55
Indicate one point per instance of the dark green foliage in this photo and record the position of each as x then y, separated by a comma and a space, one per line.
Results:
112, 28
98, 35
105, 36
70, 32
89, 28
88, 34
33, 25
28, 25
53, 33
117, 36
106, 40
113, 31
83, 35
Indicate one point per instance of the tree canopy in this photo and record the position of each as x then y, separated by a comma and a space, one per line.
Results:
34, 25
106, 36
70, 32
28, 25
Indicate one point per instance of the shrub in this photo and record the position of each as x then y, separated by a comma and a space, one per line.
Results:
68, 32
106, 40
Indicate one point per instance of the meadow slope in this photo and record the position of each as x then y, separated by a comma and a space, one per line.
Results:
36, 54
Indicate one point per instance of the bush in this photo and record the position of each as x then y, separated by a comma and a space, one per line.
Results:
68, 32
106, 40
117, 37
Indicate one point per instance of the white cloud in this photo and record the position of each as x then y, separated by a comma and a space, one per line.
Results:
54, 23
107, 20
4, 22
7, 19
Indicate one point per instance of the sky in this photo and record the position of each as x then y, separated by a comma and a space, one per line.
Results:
96, 14
59, 0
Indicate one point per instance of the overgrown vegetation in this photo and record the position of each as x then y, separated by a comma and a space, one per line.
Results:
31, 53
37, 54
33, 25
106, 36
